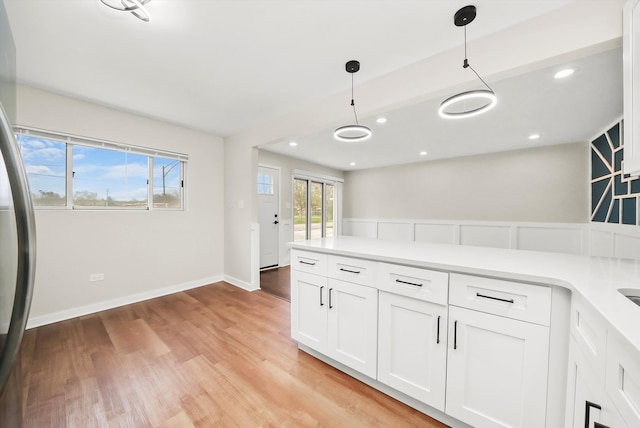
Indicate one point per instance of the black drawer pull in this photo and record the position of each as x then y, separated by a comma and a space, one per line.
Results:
587, 409
438, 332
330, 305
495, 298
307, 263
350, 271
455, 335
407, 282
321, 302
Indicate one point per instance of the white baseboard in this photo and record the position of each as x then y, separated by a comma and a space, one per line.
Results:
120, 301
241, 284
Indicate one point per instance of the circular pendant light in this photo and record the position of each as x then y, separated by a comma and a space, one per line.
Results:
357, 132
470, 103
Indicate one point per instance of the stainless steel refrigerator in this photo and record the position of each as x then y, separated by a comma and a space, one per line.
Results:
17, 240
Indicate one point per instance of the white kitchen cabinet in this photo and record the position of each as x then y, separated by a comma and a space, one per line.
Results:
412, 351
352, 312
588, 404
623, 378
309, 309
497, 370
336, 318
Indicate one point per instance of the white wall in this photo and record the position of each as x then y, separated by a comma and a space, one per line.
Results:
141, 253
545, 184
286, 165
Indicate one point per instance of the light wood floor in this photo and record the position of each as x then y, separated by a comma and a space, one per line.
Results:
215, 356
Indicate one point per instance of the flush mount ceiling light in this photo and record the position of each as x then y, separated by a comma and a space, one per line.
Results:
136, 7
470, 103
357, 132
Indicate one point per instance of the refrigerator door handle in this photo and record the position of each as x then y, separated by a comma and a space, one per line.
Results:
25, 225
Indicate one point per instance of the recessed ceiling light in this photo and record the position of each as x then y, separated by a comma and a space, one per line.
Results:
534, 136
564, 73
423, 153
293, 144
352, 164
381, 120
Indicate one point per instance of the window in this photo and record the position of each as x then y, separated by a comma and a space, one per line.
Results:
265, 184
76, 172
45, 161
167, 183
109, 178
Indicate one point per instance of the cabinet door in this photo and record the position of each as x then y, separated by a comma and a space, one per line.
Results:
497, 370
353, 326
309, 310
412, 347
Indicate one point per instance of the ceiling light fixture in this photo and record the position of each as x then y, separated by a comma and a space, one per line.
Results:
534, 136
136, 7
357, 132
487, 97
564, 73
381, 120
423, 153
293, 144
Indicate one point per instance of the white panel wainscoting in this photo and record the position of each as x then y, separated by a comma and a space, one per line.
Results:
595, 239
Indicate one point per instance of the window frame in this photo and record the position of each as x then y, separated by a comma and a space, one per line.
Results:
72, 141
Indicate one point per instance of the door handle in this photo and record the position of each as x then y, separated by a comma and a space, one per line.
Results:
276, 222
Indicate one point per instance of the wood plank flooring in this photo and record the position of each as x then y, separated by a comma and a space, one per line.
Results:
277, 282
215, 356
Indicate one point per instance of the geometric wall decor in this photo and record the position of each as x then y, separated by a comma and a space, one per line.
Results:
614, 195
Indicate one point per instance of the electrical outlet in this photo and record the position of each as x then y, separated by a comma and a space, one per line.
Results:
96, 277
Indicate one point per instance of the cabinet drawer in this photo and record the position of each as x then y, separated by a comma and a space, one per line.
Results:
517, 300
422, 284
348, 269
306, 261
590, 335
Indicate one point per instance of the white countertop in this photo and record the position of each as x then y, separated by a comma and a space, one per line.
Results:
597, 279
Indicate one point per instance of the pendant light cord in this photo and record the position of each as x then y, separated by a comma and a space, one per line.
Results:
353, 104
466, 64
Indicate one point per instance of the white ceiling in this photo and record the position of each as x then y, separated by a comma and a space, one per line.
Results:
226, 67
570, 110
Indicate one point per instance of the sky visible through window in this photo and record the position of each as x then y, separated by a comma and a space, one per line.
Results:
101, 177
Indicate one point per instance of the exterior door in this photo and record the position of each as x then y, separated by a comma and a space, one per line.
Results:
268, 215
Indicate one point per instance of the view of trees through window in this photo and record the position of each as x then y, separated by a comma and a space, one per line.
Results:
100, 177
313, 206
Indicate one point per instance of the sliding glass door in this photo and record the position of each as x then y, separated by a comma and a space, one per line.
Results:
313, 209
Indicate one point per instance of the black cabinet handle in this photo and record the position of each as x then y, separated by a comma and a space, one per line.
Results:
330, 306
587, 410
455, 335
350, 271
409, 283
307, 263
494, 298
321, 302
438, 331
599, 425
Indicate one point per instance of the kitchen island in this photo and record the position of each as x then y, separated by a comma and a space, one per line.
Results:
475, 336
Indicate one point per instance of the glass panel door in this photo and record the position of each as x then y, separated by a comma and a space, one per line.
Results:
328, 209
300, 201
315, 224
313, 209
